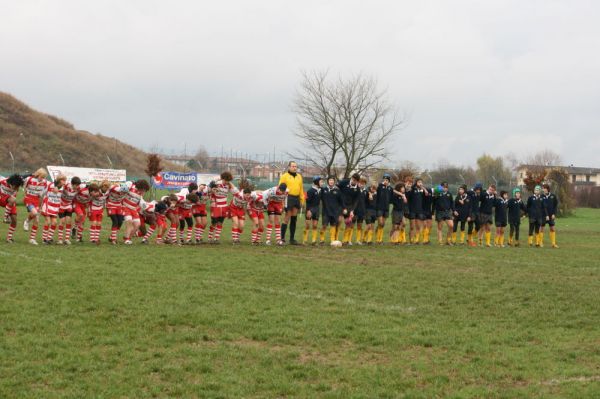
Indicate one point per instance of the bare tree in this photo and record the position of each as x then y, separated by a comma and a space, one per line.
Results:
544, 158
201, 158
346, 123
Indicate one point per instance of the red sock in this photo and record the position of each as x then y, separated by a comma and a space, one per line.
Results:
33, 232
113, 233
150, 231
278, 232
11, 231
269, 231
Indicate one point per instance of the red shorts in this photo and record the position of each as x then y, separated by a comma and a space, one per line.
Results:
32, 204
79, 208
218, 211
131, 214
114, 211
161, 221
275, 208
257, 214
4, 203
66, 208
234, 211
199, 208
184, 213
96, 216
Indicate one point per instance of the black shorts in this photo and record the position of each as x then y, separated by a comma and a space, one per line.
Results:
397, 217
293, 201
441, 216
370, 216
460, 218
550, 222
314, 214
330, 220
383, 212
485, 218
536, 220
428, 216
65, 214
501, 224
359, 217
416, 216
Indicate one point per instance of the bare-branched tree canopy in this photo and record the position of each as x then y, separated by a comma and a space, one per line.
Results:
344, 124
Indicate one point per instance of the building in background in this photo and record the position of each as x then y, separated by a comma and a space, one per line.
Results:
579, 176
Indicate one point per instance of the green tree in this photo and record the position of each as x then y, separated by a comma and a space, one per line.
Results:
493, 170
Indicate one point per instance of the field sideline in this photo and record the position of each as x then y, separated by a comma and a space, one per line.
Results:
360, 322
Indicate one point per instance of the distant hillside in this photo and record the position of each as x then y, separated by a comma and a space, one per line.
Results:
36, 139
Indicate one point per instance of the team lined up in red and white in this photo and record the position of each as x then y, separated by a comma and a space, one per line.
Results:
182, 218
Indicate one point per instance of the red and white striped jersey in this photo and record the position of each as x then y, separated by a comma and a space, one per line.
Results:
183, 203
116, 193
52, 199
68, 195
34, 188
257, 203
83, 194
204, 196
147, 208
97, 204
238, 200
132, 198
6, 191
218, 195
274, 195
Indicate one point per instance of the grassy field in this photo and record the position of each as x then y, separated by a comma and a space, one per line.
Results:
377, 322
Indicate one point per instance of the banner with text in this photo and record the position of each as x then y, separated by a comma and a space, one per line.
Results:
88, 174
176, 180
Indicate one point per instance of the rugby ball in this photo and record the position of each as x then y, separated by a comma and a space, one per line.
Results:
336, 244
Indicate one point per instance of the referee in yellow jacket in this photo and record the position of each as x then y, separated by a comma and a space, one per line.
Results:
295, 200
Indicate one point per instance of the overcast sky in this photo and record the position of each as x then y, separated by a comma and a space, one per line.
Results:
474, 76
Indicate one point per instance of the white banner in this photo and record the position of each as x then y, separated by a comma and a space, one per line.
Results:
205, 178
88, 174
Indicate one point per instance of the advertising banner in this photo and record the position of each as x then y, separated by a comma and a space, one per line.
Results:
88, 174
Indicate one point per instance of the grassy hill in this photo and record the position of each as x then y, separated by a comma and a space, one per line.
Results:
36, 139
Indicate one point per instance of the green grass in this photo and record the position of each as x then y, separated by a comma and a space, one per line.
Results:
377, 322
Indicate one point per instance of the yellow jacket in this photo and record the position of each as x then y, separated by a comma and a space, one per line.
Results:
295, 184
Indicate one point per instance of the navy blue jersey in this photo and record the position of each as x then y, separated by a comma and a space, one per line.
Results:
443, 202
361, 205
350, 194
332, 201
416, 199
371, 201
462, 205
313, 197
384, 197
550, 204
428, 202
535, 207
474, 199
516, 207
486, 203
500, 208
398, 203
